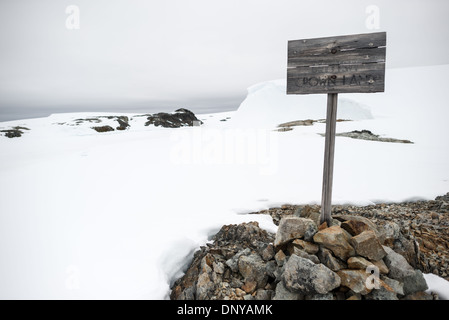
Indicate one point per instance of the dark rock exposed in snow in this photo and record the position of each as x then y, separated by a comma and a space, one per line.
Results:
368, 135
14, 132
103, 128
180, 118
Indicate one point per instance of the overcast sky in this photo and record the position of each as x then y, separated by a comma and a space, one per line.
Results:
200, 54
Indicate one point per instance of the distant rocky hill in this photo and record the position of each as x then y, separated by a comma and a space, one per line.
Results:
375, 252
180, 118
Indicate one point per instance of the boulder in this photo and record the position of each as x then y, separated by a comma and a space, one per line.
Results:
381, 294
337, 240
103, 129
233, 262
268, 252
280, 258
397, 264
389, 232
354, 227
358, 263
421, 295
367, 245
400, 270
414, 283
253, 269
301, 253
354, 280
282, 293
291, 228
392, 285
326, 258
306, 246
303, 276
359, 223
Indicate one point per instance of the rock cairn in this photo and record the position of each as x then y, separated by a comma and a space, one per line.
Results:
353, 259
418, 230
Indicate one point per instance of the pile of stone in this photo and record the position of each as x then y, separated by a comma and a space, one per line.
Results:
418, 230
351, 259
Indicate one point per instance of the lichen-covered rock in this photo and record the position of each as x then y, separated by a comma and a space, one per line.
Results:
337, 240
291, 228
253, 269
303, 276
367, 245
333, 263
282, 293
355, 280
397, 264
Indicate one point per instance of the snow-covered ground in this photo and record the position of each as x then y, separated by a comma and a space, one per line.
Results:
115, 215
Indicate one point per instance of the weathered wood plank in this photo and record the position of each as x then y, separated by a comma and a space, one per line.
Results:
336, 79
353, 57
359, 48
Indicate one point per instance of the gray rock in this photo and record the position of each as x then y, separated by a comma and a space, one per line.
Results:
396, 286
303, 254
291, 228
401, 270
268, 252
236, 283
317, 296
271, 268
381, 294
355, 280
303, 276
420, 296
397, 264
253, 268
204, 287
389, 232
263, 294
367, 245
337, 240
218, 267
188, 294
280, 258
326, 258
282, 293
414, 283
233, 262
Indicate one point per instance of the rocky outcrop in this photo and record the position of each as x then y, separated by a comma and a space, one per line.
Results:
353, 259
14, 132
180, 118
103, 129
287, 126
368, 135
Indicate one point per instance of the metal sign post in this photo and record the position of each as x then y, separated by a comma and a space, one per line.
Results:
332, 65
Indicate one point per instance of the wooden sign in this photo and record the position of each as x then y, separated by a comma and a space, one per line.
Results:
343, 64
